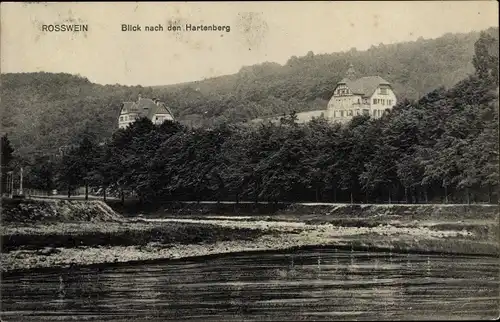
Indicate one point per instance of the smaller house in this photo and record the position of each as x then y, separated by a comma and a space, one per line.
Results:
153, 109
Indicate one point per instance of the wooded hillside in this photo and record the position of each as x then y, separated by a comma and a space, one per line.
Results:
43, 111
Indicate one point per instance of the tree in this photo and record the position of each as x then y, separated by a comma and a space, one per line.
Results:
485, 58
6, 161
87, 158
41, 173
70, 173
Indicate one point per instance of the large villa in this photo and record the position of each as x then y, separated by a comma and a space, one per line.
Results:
369, 95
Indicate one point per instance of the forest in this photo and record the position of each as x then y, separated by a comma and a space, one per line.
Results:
442, 147
43, 111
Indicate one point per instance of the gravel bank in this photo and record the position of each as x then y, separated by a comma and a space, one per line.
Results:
419, 239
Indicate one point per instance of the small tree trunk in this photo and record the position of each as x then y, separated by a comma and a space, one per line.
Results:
426, 195
468, 195
489, 194
86, 191
104, 194
317, 194
123, 197
69, 192
256, 196
406, 194
352, 200
390, 200
445, 194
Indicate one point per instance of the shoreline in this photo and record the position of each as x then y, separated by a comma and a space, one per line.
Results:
209, 256
59, 234
22, 261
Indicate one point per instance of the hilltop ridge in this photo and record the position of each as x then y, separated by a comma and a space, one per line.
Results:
43, 111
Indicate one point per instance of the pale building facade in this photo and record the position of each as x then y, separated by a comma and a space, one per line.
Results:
371, 95
153, 109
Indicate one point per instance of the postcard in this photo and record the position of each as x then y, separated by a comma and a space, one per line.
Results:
264, 161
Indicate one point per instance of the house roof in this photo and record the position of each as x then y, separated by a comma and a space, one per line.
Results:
145, 107
365, 85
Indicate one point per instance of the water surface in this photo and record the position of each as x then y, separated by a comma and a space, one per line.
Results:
319, 284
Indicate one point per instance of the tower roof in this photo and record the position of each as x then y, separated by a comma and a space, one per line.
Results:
351, 73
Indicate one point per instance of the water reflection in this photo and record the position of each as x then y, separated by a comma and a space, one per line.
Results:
321, 284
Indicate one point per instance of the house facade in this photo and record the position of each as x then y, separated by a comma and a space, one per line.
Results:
370, 95
153, 109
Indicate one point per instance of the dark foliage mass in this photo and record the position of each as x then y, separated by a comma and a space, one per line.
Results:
43, 111
442, 147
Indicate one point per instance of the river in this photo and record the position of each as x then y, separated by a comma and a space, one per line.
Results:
315, 284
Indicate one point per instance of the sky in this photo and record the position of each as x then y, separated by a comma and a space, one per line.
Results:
259, 32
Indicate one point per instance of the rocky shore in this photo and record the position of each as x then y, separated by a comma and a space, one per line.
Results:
39, 244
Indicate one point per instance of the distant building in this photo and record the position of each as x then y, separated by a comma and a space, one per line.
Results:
153, 109
371, 95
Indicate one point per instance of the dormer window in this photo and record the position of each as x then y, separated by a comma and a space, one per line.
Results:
383, 90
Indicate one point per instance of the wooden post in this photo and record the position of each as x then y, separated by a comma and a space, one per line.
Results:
21, 181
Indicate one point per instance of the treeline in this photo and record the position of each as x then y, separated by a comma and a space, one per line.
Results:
441, 148
43, 111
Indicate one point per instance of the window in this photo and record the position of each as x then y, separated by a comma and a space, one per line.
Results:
374, 101
366, 112
383, 91
359, 101
341, 113
374, 112
121, 118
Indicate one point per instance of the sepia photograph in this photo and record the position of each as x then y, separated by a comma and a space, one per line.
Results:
249, 161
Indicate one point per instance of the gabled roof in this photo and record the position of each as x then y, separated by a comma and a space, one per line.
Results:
365, 85
146, 107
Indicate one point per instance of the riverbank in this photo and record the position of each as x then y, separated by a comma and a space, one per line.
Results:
39, 244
